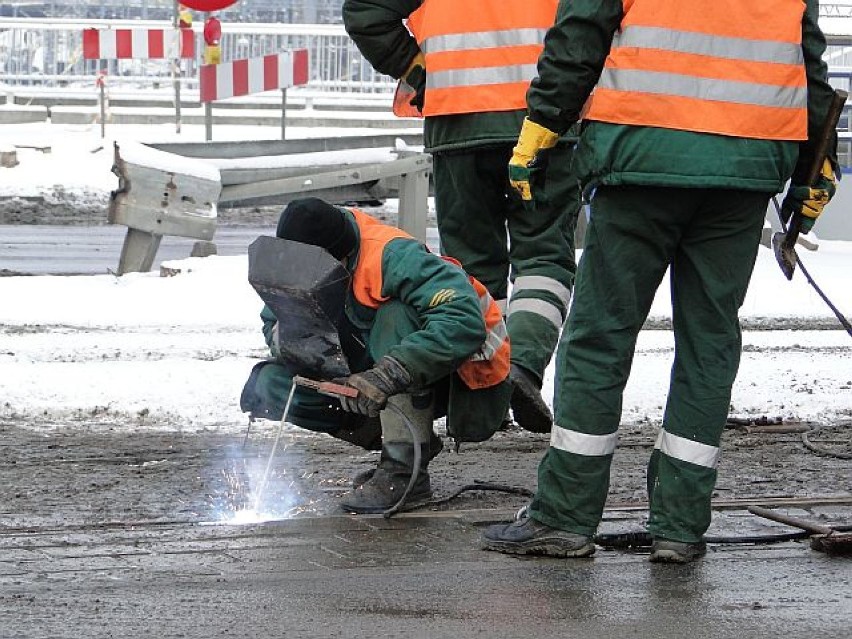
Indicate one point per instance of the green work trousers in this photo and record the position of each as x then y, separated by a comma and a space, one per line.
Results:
484, 225
708, 238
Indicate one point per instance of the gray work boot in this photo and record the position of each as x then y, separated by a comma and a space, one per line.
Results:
435, 447
385, 488
668, 551
528, 408
526, 536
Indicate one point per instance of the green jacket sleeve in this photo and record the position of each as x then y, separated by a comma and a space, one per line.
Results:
269, 323
575, 49
452, 326
377, 28
819, 92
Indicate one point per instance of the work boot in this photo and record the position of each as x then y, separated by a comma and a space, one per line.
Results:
383, 490
668, 551
528, 408
526, 536
435, 447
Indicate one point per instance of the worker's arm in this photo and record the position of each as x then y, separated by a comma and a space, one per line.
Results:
440, 293
378, 30
819, 92
575, 49
270, 324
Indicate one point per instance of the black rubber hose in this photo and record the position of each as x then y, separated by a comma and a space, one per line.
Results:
643, 539
415, 472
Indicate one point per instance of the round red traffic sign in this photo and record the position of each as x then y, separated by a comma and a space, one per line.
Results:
208, 5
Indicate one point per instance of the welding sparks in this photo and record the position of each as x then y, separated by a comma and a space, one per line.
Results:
237, 502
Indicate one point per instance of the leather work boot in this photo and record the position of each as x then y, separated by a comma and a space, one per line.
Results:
405, 413
668, 551
436, 445
526, 536
384, 489
528, 408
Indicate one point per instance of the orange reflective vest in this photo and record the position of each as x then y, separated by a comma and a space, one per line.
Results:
713, 66
490, 364
480, 54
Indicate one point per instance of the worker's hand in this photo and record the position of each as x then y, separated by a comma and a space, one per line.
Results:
387, 378
809, 201
529, 158
415, 77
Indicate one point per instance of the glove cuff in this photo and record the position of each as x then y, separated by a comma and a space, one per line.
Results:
418, 61
394, 373
532, 139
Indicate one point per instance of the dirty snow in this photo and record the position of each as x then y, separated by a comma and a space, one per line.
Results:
173, 352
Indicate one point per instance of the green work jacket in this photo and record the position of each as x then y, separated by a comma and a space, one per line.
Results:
574, 53
445, 334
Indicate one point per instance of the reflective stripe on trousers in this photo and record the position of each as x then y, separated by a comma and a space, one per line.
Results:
537, 283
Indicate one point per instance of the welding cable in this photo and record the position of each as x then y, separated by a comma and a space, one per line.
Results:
840, 317
638, 539
480, 485
821, 450
415, 472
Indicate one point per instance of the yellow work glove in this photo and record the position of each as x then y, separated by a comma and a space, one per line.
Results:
529, 157
809, 201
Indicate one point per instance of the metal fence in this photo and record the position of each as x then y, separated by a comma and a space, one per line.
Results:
48, 53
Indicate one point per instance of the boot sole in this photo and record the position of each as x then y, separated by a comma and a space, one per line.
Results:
548, 548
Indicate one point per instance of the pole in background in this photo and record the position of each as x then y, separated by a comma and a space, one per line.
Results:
212, 55
176, 22
283, 113
101, 84
208, 121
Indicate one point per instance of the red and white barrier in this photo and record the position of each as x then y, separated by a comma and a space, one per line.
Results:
121, 44
253, 75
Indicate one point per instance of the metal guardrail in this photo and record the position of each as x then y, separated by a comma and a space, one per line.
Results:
162, 193
49, 53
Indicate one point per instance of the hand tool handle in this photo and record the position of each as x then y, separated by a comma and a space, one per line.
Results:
829, 126
326, 388
790, 521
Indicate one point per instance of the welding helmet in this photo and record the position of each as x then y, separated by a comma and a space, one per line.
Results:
306, 288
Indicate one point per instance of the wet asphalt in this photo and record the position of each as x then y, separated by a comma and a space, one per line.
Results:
415, 575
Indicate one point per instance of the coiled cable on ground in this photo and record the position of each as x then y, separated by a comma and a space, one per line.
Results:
821, 450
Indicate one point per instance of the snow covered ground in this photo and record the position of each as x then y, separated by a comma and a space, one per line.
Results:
173, 353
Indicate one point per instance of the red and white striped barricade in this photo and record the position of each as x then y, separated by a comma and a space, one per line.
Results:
150, 44
253, 75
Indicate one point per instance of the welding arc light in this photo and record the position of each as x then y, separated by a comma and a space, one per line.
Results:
207, 5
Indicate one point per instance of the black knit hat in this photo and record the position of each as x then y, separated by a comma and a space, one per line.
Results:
314, 221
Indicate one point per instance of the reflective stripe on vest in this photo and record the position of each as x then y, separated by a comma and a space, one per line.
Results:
480, 58
490, 364
714, 66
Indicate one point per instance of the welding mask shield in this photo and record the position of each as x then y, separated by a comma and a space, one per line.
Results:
306, 288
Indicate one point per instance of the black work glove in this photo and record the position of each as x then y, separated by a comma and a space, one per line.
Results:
416, 79
385, 379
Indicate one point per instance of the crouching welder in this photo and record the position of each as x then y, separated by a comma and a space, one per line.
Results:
352, 299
